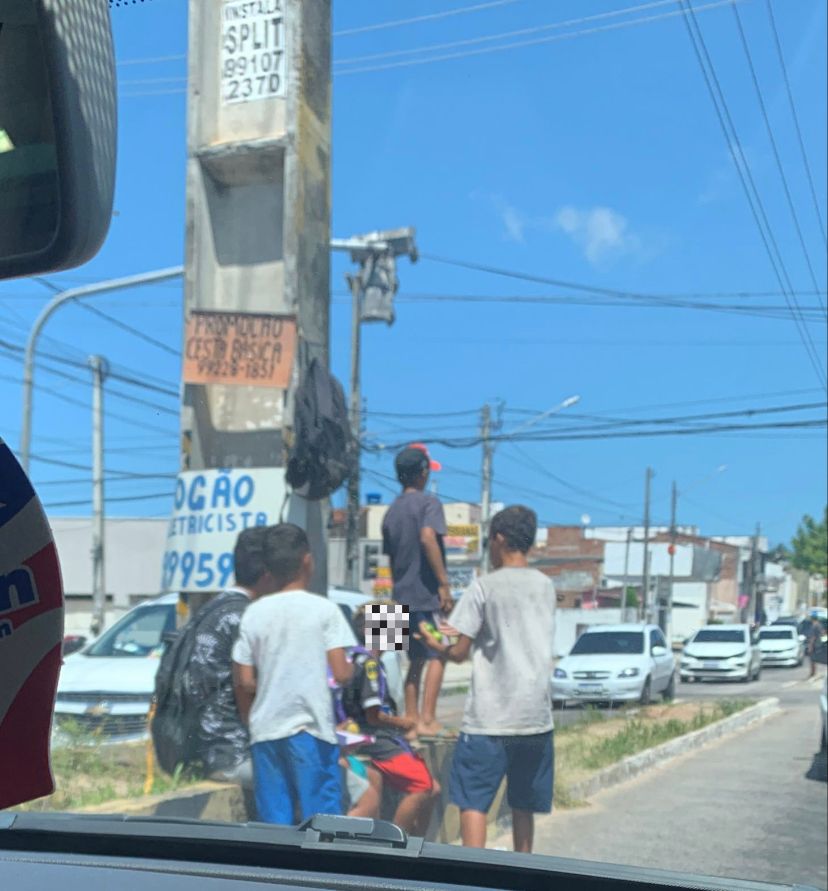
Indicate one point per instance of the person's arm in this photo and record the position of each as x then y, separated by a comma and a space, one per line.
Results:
376, 717
244, 688
433, 525
456, 652
341, 668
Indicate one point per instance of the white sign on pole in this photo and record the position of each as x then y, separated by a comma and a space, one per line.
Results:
211, 508
252, 50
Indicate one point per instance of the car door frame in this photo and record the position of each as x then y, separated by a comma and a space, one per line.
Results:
661, 672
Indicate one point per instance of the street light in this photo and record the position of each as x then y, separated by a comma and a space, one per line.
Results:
372, 295
567, 403
488, 454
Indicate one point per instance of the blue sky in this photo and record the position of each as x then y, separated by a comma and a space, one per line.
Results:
596, 159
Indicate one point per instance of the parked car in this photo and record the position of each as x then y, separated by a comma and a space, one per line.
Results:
722, 652
616, 663
106, 687
781, 645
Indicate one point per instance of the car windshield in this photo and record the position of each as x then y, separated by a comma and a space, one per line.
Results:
719, 635
767, 634
138, 634
615, 643
479, 333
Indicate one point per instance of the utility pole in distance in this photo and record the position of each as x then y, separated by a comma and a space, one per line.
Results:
665, 616
485, 484
646, 568
99, 368
372, 300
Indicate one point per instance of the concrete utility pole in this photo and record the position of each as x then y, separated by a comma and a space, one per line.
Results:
626, 575
665, 615
99, 368
754, 604
646, 568
257, 285
485, 483
61, 298
372, 300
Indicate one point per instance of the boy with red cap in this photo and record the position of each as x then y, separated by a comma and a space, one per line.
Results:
412, 535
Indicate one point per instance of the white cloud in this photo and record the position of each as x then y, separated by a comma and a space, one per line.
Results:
600, 232
513, 222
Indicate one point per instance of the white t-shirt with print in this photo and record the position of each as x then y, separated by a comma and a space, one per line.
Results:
286, 637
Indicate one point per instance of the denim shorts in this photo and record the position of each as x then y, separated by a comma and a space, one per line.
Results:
481, 762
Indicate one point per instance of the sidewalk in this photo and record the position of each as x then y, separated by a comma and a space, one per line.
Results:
457, 676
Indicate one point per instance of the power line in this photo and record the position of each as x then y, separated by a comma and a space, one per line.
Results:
415, 20
131, 478
428, 414
643, 20
620, 301
777, 158
520, 32
795, 117
85, 501
135, 332
746, 177
151, 60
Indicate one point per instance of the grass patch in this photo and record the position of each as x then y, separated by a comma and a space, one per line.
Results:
595, 741
89, 772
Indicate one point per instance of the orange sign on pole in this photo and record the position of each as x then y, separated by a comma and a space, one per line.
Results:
251, 349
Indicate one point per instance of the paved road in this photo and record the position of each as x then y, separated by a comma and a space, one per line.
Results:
751, 806
774, 682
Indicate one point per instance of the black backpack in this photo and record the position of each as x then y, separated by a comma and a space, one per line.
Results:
322, 449
177, 711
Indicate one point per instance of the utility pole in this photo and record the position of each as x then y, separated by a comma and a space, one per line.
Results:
753, 590
257, 282
626, 575
666, 615
372, 300
352, 520
646, 568
99, 370
485, 483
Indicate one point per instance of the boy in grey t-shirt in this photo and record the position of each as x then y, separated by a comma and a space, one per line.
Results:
506, 621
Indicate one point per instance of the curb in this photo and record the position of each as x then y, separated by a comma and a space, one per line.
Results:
633, 765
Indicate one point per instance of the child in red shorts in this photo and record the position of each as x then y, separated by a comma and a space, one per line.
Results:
367, 701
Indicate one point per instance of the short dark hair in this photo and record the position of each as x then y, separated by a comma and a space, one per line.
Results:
285, 548
410, 465
518, 525
248, 556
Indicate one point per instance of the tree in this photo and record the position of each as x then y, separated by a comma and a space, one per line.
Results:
810, 545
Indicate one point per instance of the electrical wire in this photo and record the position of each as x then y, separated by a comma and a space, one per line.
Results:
135, 332
416, 20
501, 35
795, 117
760, 98
642, 20
746, 178
115, 498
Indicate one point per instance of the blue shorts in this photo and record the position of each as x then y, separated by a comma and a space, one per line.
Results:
297, 774
480, 763
417, 650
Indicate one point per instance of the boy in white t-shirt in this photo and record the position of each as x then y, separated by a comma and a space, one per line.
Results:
505, 621
286, 642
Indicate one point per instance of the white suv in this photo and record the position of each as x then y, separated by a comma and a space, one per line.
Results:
721, 652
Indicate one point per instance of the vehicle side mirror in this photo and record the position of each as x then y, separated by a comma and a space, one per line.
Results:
72, 643
58, 128
658, 650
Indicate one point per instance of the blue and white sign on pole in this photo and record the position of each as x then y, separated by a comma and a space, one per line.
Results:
211, 508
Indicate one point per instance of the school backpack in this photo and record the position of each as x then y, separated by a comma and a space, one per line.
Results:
176, 704
322, 449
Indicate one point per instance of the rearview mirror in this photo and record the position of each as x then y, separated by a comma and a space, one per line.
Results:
57, 133
659, 650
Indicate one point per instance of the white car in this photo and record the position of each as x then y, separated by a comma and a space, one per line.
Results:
721, 652
616, 663
106, 687
781, 645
